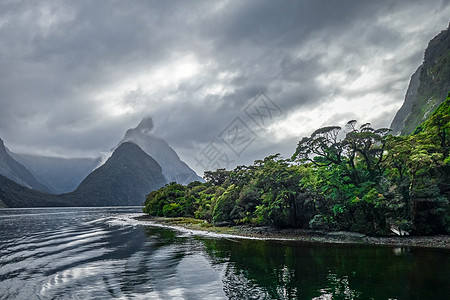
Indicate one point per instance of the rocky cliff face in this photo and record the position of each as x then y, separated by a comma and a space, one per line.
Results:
410, 99
428, 87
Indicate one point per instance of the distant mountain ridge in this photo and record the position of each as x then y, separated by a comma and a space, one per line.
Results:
428, 87
13, 194
124, 179
15, 171
140, 164
63, 175
59, 175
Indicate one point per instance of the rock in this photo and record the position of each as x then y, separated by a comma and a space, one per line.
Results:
347, 234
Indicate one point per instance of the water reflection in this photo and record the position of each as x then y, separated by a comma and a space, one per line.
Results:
146, 264
272, 270
87, 254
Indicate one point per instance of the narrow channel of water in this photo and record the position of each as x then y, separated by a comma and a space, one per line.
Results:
85, 253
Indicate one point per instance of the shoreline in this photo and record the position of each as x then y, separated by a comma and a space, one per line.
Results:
201, 227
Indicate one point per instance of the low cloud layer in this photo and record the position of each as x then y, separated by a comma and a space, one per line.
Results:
75, 75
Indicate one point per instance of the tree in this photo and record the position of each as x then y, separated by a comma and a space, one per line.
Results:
217, 177
350, 172
322, 148
284, 201
365, 146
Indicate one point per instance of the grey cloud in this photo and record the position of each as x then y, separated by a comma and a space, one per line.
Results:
51, 75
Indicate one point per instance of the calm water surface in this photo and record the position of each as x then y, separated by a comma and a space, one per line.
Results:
97, 253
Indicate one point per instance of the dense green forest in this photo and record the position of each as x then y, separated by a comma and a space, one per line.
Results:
355, 178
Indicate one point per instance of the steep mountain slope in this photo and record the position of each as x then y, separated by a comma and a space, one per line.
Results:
16, 195
173, 168
125, 179
13, 170
60, 175
428, 86
410, 99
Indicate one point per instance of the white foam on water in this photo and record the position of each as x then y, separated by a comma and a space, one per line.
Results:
129, 220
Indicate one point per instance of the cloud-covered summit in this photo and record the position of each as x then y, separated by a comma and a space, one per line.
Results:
173, 169
146, 125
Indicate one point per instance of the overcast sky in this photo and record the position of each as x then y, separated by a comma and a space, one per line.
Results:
75, 75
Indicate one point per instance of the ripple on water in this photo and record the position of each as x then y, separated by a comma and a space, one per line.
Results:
66, 256
102, 254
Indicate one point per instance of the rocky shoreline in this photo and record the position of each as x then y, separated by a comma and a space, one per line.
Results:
196, 226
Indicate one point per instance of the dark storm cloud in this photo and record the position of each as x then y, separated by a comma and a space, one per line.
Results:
75, 75
50, 72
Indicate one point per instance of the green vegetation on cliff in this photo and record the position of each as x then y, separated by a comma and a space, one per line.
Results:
368, 182
433, 83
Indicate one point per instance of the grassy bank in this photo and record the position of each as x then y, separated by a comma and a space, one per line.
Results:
300, 235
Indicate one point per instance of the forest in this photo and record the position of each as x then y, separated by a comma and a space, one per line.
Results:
355, 178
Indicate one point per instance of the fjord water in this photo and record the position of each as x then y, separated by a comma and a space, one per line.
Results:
99, 253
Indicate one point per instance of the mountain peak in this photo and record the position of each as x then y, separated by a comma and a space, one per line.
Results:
173, 168
125, 179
